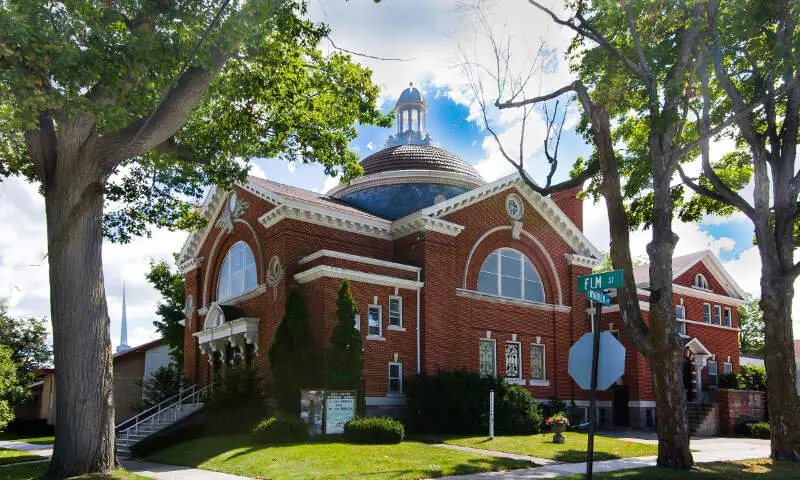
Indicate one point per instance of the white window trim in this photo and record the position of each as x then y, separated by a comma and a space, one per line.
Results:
379, 336
225, 260
710, 313
494, 355
400, 378
400, 304
521, 279
704, 285
535, 382
724, 367
520, 379
357, 321
716, 309
727, 318
715, 374
682, 308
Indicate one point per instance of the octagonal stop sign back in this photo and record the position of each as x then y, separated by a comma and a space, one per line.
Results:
610, 363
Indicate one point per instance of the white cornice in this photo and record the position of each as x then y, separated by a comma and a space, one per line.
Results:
468, 198
321, 271
581, 261
405, 176
210, 209
190, 265
305, 212
357, 258
697, 293
704, 324
245, 325
463, 292
417, 221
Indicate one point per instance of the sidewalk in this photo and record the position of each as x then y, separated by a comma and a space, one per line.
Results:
708, 450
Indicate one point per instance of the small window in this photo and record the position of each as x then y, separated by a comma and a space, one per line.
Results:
706, 313
538, 372
396, 378
713, 378
717, 315
728, 321
357, 321
701, 282
513, 361
374, 323
680, 328
680, 312
487, 359
727, 368
414, 119
396, 311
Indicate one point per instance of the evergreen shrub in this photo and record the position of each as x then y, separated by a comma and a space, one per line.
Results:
280, 429
374, 431
757, 430
457, 402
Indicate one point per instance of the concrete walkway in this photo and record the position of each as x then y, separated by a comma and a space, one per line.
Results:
45, 450
494, 453
708, 450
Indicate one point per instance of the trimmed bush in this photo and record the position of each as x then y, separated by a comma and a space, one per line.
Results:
373, 430
517, 413
757, 430
279, 429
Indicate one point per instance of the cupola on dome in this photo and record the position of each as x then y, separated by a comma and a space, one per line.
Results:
411, 173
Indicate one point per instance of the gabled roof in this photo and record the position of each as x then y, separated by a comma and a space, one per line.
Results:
305, 205
683, 263
140, 349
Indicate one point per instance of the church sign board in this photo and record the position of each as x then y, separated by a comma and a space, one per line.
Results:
340, 407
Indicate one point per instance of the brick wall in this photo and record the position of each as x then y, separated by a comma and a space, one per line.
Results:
738, 406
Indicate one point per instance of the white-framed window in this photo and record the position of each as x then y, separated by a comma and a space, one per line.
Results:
700, 281
717, 315
374, 321
728, 317
538, 363
396, 312
513, 361
713, 377
357, 321
727, 368
508, 273
414, 119
395, 378
706, 313
680, 314
238, 272
487, 358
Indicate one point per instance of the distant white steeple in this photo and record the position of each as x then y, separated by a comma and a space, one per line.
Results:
123, 334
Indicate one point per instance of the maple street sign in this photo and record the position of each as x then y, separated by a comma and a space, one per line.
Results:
598, 297
600, 281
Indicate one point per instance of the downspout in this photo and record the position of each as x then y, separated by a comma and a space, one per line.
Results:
419, 361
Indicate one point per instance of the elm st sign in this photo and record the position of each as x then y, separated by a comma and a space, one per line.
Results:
600, 281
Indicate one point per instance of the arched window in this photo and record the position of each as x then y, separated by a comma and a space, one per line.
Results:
238, 272
508, 273
700, 281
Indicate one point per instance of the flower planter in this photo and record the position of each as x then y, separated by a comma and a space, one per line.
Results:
557, 430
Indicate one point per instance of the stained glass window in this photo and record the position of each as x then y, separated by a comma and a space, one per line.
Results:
513, 360
537, 362
486, 358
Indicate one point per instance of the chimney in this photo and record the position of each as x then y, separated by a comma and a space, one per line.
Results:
570, 204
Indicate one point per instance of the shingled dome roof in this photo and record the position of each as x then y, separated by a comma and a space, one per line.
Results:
417, 157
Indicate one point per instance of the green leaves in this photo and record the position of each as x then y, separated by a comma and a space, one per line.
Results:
170, 285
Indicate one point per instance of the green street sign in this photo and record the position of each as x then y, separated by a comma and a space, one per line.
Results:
600, 281
598, 297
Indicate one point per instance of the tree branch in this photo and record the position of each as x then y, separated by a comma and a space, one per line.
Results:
539, 99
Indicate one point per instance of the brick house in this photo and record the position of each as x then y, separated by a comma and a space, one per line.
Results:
447, 271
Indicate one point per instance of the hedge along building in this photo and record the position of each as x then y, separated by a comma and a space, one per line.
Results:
448, 271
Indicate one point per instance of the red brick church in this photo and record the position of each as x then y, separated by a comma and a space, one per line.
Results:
447, 270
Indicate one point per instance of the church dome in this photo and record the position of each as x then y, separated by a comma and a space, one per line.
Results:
417, 157
410, 173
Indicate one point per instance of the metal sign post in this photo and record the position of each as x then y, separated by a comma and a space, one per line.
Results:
491, 414
593, 392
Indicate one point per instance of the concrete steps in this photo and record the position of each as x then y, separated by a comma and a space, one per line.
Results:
158, 421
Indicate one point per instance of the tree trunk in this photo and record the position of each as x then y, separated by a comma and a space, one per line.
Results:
671, 425
776, 304
83, 358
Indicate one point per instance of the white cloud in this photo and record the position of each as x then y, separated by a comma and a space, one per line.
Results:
371, 146
291, 167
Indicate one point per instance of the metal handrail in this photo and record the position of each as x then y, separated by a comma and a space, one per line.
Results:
195, 395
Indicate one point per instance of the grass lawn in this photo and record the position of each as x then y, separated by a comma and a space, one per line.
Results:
13, 456
237, 454
36, 440
762, 469
35, 471
573, 450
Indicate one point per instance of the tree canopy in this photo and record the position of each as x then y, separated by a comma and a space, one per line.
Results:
751, 329
26, 337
